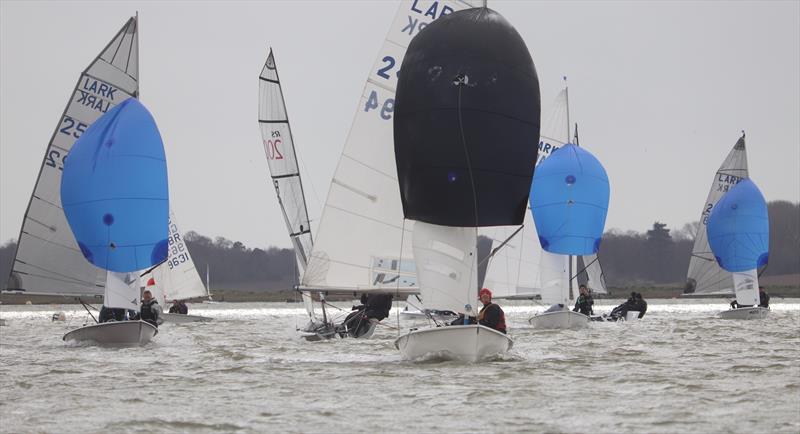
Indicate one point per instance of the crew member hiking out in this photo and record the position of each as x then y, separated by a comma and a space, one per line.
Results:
491, 315
373, 308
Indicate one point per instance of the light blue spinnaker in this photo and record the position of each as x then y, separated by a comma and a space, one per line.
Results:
738, 228
114, 190
569, 201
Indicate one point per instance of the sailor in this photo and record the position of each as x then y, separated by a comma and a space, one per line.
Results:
641, 305
764, 297
620, 311
150, 310
584, 302
491, 315
110, 314
179, 307
377, 306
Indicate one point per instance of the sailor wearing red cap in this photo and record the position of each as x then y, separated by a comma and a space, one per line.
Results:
491, 315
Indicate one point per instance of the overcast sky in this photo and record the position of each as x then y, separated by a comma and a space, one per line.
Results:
660, 90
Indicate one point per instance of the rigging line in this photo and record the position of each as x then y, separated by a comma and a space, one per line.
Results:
503, 244
87, 310
460, 82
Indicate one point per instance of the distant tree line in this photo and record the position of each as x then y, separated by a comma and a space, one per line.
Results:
659, 256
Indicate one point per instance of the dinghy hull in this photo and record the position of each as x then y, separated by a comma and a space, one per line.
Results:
468, 343
115, 333
563, 319
745, 313
178, 318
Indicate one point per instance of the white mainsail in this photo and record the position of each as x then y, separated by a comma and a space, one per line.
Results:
48, 260
705, 276
362, 242
177, 277
282, 161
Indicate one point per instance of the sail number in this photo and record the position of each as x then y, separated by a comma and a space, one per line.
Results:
707, 212
73, 128
54, 158
389, 63
386, 108
177, 260
271, 146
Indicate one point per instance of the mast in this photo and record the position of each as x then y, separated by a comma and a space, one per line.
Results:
569, 259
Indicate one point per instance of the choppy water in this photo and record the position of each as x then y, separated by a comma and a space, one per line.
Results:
679, 370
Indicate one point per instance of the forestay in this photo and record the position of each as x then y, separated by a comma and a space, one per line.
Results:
360, 243
705, 276
47, 260
177, 277
279, 147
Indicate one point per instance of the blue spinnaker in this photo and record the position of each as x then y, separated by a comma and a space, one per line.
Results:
114, 190
738, 228
569, 201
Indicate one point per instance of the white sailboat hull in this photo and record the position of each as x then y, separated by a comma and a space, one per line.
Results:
468, 343
745, 313
177, 318
115, 333
564, 319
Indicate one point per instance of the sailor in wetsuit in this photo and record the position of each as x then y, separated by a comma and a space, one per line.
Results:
110, 314
621, 311
179, 307
764, 297
373, 307
584, 302
150, 310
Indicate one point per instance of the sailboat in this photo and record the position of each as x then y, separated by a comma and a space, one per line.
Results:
176, 278
738, 233
358, 246
115, 197
516, 266
47, 260
465, 117
705, 276
279, 148
569, 203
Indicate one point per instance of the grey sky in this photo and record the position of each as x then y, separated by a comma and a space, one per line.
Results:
660, 91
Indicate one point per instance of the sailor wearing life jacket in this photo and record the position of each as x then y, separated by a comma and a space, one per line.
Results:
151, 310
491, 315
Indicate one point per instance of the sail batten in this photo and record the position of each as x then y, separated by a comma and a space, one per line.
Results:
45, 241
